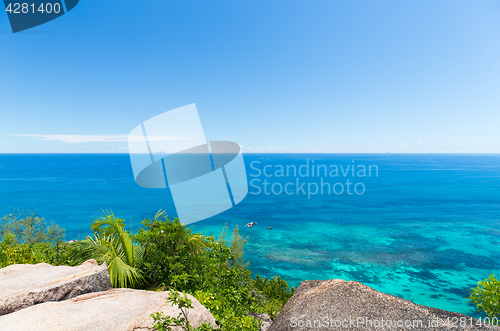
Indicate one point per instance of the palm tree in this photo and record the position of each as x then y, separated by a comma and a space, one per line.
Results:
113, 245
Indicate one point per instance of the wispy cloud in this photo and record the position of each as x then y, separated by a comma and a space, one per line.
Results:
79, 138
75, 138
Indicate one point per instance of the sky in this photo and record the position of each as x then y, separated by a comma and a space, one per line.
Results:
274, 76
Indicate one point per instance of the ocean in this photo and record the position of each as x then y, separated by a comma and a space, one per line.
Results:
423, 227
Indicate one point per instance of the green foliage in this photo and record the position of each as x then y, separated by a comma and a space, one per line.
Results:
231, 290
241, 323
274, 293
236, 246
25, 227
164, 254
174, 256
103, 226
164, 323
113, 244
486, 297
213, 271
27, 239
228, 317
15, 254
57, 254
273, 288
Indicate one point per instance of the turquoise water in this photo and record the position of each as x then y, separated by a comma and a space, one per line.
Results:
425, 229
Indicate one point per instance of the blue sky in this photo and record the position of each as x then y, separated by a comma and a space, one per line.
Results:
273, 76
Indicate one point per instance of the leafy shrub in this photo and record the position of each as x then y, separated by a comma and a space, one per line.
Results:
27, 239
227, 317
275, 292
164, 323
25, 227
15, 254
58, 254
236, 246
486, 297
174, 256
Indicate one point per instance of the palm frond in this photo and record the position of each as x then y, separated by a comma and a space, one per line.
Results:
116, 249
123, 275
110, 220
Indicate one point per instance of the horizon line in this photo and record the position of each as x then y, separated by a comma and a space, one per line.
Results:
126, 153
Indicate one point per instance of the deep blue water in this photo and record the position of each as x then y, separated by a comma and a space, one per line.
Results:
427, 228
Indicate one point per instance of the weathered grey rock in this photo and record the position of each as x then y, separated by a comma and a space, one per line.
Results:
337, 304
24, 285
115, 309
266, 320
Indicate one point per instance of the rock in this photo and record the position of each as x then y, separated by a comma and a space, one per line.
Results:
24, 285
266, 320
115, 309
337, 304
